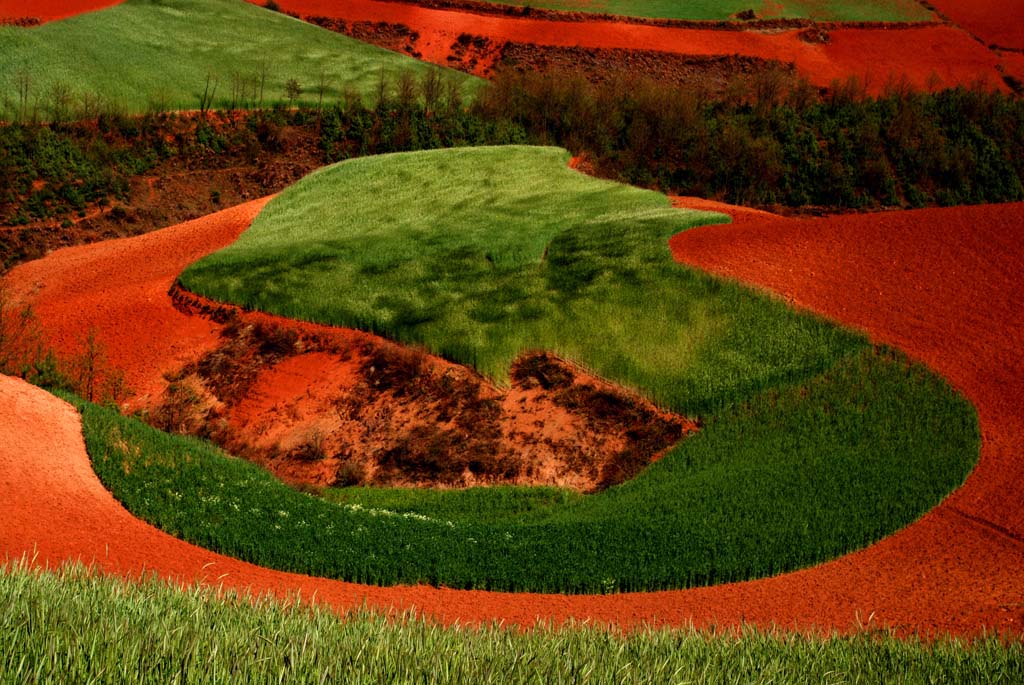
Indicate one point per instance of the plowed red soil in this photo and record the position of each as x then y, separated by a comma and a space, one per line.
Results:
998, 22
118, 290
48, 10
941, 284
871, 54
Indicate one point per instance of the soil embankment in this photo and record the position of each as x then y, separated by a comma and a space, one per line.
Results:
941, 284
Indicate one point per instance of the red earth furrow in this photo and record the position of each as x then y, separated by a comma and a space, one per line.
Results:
938, 283
926, 56
48, 10
998, 22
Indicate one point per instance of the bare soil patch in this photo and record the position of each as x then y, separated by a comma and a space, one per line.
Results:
710, 74
323, 406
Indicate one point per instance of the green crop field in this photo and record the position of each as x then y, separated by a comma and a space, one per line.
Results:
156, 55
73, 625
450, 250
782, 480
481, 254
819, 10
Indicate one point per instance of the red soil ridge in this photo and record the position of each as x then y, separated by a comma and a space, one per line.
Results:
49, 10
927, 56
941, 284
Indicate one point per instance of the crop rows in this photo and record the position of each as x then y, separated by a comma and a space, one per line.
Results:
76, 626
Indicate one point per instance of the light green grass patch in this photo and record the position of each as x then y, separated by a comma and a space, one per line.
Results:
481, 254
157, 54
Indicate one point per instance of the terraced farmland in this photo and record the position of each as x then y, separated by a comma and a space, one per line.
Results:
801, 417
862, 480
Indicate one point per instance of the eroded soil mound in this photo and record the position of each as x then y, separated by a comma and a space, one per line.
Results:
323, 406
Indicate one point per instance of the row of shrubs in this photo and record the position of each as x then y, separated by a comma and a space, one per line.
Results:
769, 139
773, 139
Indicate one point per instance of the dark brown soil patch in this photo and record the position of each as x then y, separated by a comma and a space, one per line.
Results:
324, 406
710, 74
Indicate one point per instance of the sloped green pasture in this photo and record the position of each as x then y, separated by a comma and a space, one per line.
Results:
155, 55
482, 254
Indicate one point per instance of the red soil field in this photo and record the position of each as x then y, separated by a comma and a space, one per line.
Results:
927, 56
48, 10
941, 284
1013, 64
998, 22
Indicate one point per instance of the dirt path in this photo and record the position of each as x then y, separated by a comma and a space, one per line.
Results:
941, 286
922, 54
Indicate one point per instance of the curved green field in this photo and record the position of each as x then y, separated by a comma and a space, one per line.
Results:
814, 443
819, 10
781, 481
156, 54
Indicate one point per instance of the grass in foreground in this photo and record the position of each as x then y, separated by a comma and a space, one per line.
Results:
832, 10
77, 626
782, 480
144, 55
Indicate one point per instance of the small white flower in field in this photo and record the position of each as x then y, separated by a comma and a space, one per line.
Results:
282, 513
